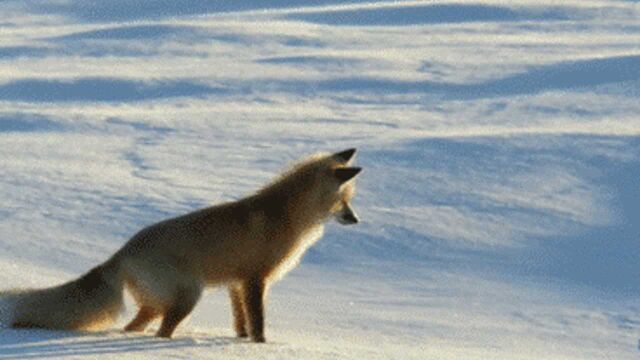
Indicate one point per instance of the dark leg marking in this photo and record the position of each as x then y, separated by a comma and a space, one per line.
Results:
254, 302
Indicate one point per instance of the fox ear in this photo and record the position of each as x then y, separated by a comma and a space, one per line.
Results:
347, 173
346, 155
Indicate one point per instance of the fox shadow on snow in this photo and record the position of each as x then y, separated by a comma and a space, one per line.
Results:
40, 344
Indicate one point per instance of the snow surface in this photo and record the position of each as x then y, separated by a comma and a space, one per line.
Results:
500, 142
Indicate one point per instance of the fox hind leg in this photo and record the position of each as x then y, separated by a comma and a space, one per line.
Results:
236, 294
144, 317
184, 302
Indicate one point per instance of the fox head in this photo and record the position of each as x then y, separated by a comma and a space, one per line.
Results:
319, 188
333, 185
343, 175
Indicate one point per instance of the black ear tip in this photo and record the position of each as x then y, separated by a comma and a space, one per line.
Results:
346, 155
347, 173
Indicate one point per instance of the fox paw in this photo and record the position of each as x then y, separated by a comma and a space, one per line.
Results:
258, 339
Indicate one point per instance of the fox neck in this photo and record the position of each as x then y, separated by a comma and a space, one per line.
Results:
298, 210
294, 211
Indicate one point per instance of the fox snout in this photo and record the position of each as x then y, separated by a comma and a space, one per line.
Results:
347, 216
349, 219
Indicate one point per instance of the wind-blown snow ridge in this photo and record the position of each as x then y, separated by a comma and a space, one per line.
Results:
499, 140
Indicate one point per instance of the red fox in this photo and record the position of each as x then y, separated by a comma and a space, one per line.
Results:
245, 245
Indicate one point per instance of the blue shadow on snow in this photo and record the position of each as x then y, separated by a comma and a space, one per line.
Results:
101, 89
603, 257
23, 122
428, 14
132, 32
127, 10
12, 52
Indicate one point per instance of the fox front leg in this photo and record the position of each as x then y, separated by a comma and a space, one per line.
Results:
255, 291
236, 294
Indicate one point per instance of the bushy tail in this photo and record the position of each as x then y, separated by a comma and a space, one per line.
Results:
89, 303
